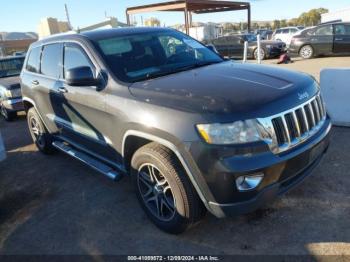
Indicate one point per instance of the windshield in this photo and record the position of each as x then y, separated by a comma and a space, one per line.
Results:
251, 38
144, 56
11, 67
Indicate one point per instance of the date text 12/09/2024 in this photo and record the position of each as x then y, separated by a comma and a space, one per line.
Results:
173, 258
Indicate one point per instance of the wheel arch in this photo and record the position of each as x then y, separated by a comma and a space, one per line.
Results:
138, 138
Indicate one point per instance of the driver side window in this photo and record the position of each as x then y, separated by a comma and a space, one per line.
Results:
75, 57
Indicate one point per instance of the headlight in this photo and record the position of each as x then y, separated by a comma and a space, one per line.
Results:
239, 132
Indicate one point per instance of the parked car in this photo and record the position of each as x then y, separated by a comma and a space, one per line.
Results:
10, 88
325, 39
265, 34
285, 34
194, 131
233, 46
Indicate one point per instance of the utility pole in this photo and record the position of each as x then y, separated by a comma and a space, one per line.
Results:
68, 18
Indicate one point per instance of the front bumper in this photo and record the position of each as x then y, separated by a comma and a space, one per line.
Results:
282, 172
13, 104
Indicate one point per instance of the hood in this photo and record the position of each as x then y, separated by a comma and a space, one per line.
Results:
11, 82
228, 88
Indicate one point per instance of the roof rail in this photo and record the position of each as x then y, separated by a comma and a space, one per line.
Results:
331, 22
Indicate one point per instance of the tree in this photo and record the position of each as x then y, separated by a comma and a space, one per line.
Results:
283, 23
276, 24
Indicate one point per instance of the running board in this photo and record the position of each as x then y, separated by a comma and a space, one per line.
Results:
88, 160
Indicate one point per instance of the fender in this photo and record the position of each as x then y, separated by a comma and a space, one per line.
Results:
199, 188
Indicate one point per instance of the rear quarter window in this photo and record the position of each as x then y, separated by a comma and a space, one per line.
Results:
33, 64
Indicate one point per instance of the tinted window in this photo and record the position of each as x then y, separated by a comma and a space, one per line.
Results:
148, 55
11, 67
75, 57
278, 31
33, 64
342, 29
285, 31
51, 60
324, 30
293, 30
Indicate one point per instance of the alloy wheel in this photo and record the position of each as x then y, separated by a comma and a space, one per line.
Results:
36, 131
156, 192
306, 52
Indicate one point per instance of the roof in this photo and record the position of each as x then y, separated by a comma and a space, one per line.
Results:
195, 6
11, 57
100, 34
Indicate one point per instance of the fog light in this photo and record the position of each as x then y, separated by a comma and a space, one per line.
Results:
246, 183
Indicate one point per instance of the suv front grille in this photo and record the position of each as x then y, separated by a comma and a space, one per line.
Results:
294, 126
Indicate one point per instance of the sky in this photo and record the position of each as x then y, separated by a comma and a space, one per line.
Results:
24, 15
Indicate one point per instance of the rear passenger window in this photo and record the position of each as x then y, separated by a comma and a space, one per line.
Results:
285, 31
324, 30
51, 60
75, 57
342, 29
33, 64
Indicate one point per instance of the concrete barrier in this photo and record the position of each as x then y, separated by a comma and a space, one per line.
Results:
2, 150
335, 89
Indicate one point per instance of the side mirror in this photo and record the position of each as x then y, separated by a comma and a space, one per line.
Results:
81, 76
241, 41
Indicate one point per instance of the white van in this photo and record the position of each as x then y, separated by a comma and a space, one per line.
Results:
285, 34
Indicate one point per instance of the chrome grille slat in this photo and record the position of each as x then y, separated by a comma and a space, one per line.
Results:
294, 126
296, 122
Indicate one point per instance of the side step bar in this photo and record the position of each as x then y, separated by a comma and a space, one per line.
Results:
88, 160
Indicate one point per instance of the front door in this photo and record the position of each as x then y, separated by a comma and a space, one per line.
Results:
81, 112
341, 38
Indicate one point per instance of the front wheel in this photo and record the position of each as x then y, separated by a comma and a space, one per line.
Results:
306, 52
262, 54
164, 190
41, 137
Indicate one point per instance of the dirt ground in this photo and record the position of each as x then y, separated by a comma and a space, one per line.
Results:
57, 205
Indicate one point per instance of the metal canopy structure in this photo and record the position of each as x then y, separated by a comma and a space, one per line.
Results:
191, 6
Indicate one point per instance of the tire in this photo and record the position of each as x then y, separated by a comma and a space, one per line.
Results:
8, 116
168, 187
262, 54
38, 132
306, 52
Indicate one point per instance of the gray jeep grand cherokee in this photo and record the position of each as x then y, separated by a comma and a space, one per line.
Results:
194, 131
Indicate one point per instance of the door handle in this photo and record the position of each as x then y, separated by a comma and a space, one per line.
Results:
35, 82
338, 39
62, 90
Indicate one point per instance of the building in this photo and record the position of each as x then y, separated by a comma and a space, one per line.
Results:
51, 26
111, 22
153, 22
8, 47
343, 15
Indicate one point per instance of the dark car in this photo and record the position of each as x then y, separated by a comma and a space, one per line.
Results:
265, 34
10, 88
325, 39
233, 46
195, 132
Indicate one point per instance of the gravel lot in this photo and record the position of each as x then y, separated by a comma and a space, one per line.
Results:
56, 205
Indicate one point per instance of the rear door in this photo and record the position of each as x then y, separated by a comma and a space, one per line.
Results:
40, 78
341, 38
322, 39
